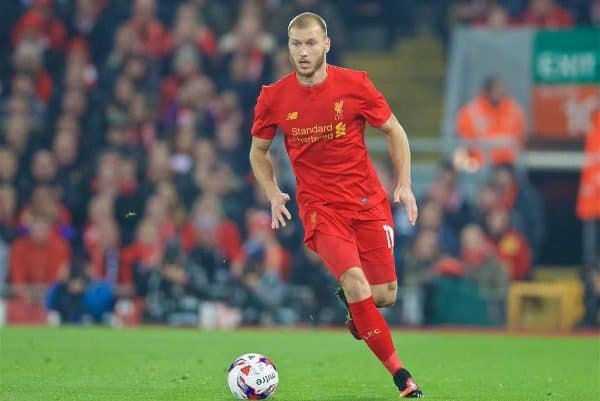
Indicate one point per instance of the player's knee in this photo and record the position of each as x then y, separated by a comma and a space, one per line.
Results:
387, 297
355, 285
385, 300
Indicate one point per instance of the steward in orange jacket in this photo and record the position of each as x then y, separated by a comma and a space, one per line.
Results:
588, 200
492, 116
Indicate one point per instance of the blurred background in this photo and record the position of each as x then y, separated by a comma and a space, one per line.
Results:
126, 195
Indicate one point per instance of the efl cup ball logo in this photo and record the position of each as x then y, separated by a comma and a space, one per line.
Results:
252, 377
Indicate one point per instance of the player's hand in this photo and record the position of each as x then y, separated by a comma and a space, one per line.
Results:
278, 210
404, 195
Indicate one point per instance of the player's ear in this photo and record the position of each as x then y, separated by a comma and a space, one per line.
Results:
327, 43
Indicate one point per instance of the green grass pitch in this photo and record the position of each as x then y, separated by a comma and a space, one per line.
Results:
169, 364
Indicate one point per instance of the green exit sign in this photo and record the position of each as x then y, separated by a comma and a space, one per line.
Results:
567, 57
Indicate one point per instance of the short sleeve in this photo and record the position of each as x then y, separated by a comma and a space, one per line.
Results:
264, 125
374, 108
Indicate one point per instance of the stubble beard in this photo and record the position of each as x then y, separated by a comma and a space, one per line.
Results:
318, 64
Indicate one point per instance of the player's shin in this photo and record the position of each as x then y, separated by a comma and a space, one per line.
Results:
374, 330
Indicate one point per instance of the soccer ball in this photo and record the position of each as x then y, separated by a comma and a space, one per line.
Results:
252, 377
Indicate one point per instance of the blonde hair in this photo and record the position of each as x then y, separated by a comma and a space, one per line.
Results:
306, 19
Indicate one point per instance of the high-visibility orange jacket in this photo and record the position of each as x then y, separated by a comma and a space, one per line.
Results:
480, 120
588, 199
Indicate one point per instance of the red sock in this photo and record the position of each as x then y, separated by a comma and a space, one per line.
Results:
373, 328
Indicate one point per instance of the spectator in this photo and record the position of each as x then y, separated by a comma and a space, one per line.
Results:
169, 193
126, 44
190, 29
80, 72
281, 63
229, 143
482, 266
148, 29
42, 170
105, 258
310, 278
77, 298
141, 129
229, 110
8, 166
159, 164
173, 291
208, 224
69, 177
432, 218
8, 213
74, 103
42, 26
445, 191
25, 105
192, 106
131, 194
143, 74
45, 199
263, 247
419, 270
588, 207
497, 18
181, 160
39, 258
594, 13
186, 65
8, 229
420, 260
510, 246
158, 212
487, 199
223, 184
144, 255
524, 205
16, 138
251, 39
217, 14
117, 107
28, 60
473, 12
546, 14
106, 180
89, 20
493, 118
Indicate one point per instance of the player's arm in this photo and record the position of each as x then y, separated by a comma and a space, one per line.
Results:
400, 155
262, 166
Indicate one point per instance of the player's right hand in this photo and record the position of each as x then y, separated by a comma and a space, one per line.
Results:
278, 210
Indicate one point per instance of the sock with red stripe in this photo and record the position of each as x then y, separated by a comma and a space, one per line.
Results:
374, 330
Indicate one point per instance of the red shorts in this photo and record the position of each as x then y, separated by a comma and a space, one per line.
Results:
359, 239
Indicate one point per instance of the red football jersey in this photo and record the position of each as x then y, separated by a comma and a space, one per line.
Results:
324, 135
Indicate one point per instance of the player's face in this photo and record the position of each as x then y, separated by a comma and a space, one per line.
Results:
308, 47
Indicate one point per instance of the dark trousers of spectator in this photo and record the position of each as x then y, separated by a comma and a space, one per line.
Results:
96, 301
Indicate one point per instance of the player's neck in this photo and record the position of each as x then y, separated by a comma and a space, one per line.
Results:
318, 77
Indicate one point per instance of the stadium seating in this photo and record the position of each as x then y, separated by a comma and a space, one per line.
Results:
545, 305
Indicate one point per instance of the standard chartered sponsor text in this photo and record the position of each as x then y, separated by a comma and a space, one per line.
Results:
315, 129
303, 135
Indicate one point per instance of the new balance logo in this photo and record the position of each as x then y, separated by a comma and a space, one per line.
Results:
292, 116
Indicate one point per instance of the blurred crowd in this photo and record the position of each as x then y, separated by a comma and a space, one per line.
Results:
125, 182
463, 253
547, 14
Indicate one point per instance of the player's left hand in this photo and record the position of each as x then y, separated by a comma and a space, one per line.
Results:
278, 210
404, 195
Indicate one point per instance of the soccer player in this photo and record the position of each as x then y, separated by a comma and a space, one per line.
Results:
322, 110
